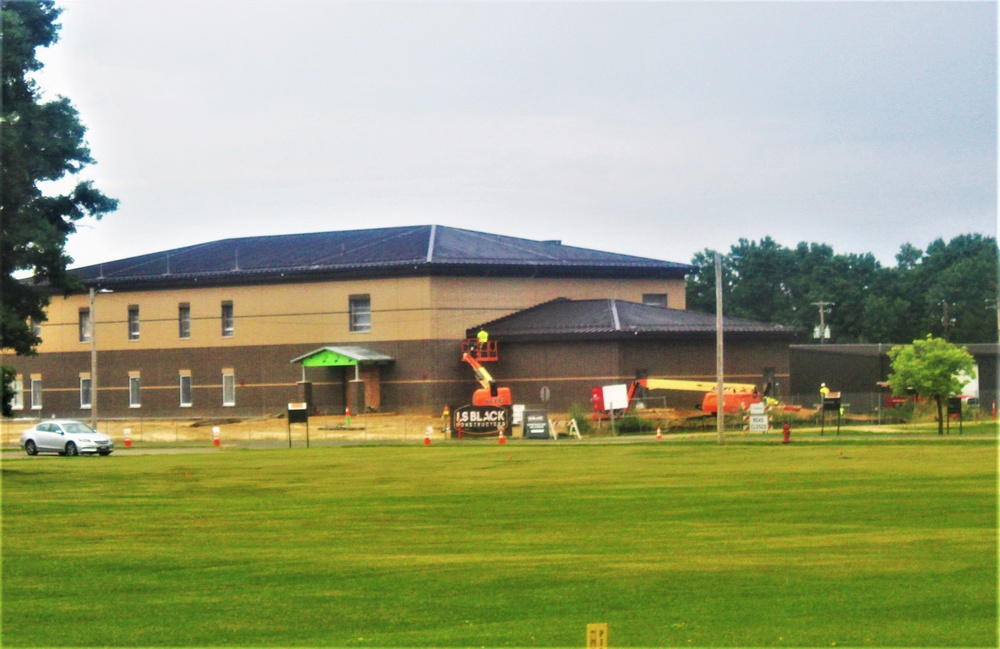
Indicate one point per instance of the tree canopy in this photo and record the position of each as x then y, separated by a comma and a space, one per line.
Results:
949, 290
40, 141
932, 368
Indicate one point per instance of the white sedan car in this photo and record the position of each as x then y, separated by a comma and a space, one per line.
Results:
65, 437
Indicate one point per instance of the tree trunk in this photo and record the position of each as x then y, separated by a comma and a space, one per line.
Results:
940, 416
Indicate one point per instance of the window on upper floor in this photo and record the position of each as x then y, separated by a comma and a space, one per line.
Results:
133, 322
655, 299
360, 313
184, 320
227, 319
85, 329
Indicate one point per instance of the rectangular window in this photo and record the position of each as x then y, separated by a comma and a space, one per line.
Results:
17, 402
184, 320
133, 322
85, 385
228, 389
85, 325
185, 390
134, 392
36, 394
655, 299
36, 326
360, 311
227, 319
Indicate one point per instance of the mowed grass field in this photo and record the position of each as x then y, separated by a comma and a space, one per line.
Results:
482, 545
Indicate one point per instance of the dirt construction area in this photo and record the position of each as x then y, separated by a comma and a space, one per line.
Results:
229, 431
388, 427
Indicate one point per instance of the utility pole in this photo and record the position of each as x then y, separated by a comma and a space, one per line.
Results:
720, 402
92, 317
822, 319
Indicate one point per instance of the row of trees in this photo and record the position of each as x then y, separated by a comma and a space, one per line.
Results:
948, 290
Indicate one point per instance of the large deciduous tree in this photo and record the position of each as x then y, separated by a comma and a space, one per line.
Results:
932, 368
40, 141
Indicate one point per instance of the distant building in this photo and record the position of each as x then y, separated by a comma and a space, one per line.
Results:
375, 319
856, 371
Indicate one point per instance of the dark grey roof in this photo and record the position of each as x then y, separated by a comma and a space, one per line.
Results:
875, 350
617, 318
414, 250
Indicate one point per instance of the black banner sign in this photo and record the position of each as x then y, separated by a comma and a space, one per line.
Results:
481, 420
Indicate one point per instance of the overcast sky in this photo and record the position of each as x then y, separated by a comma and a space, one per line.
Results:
653, 129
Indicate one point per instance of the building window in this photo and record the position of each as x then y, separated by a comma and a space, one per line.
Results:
185, 390
227, 319
85, 325
134, 392
35, 326
360, 310
655, 299
228, 389
36, 394
85, 385
17, 401
133, 322
184, 320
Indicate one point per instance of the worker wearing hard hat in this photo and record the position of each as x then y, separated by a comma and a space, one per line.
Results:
482, 337
823, 390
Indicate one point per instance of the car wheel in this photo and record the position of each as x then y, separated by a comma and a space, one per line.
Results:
104, 453
30, 448
71, 449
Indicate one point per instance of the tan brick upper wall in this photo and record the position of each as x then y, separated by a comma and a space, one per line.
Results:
317, 312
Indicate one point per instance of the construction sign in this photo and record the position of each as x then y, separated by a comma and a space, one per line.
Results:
481, 420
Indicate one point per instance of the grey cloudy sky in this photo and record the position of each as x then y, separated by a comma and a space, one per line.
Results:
654, 129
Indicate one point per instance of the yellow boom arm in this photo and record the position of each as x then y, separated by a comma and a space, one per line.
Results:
697, 386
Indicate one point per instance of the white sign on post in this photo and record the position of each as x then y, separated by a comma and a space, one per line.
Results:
615, 397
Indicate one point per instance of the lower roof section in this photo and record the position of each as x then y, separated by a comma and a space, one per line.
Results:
613, 318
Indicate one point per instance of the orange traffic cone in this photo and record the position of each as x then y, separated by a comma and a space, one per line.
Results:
215, 436
502, 439
128, 437
427, 436
659, 435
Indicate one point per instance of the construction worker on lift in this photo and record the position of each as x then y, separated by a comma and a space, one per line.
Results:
823, 390
482, 337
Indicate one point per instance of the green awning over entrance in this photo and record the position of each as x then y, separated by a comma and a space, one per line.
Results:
342, 357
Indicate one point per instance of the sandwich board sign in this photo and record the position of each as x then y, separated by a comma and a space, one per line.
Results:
758, 420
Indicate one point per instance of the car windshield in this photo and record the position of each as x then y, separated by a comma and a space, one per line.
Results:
77, 428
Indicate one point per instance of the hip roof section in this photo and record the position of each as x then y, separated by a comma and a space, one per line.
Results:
618, 318
413, 250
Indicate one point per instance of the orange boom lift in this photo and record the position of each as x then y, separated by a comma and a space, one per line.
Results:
490, 394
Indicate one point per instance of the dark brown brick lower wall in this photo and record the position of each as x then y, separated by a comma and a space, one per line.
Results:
426, 375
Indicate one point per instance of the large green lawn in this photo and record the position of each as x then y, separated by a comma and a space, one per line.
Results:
671, 544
